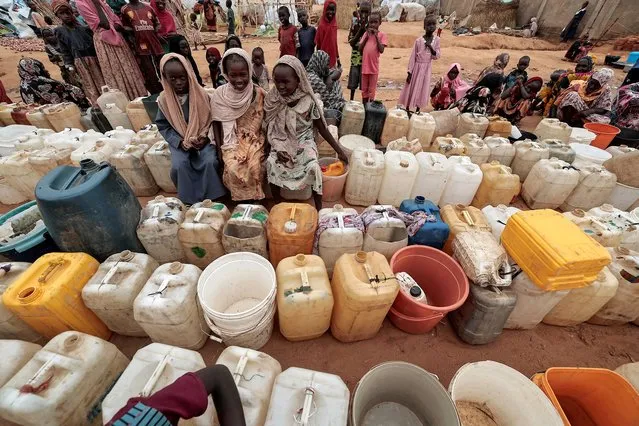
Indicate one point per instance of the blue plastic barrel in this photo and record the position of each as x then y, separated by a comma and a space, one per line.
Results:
434, 232
31, 240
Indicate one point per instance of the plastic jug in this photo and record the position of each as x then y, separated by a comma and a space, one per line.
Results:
19, 173
167, 308
422, 126
499, 126
499, 186
432, 176
605, 233
434, 231
158, 229
158, 160
290, 230
581, 304
448, 145
201, 232
47, 296
46, 159
340, 235
484, 261
549, 184
364, 289
620, 150
324, 149
64, 115
100, 152
623, 307
464, 178
400, 172
137, 114
365, 177
11, 326
254, 374
10, 194
475, 148
246, 230
497, 217
500, 150
148, 135
67, 138
64, 382
152, 368
594, 188
30, 142
87, 121
15, 354
112, 96
481, 318
123, 135
130, 163
622, 221
385, 234
69, 192
111, 291
403, 144
99, 119
527, 154
460, 218
353, 116
37, 118
350, 143
304, 297
551, 128
374, 121
624, 167
558, 149
471, 123
308, 397
395, 127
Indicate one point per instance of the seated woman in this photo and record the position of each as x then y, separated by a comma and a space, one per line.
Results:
587, 101
325, 82
627, 112
180, 45
583, 71
184, 119
515, 102
291, 112
479, 99
37, 86
449, 88
238, 112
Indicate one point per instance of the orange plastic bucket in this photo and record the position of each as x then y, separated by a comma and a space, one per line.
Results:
590, 396
605, 134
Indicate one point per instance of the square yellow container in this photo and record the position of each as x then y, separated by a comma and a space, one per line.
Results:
281, 242
552, 250
48, 295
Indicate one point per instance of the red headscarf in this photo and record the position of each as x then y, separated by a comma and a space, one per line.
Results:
167, 22
326, 36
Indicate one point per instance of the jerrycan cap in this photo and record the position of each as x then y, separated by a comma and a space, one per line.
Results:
300, 260
176, 268
361, 256
207, 203
495, 163
404, 163
72, 341
126, 255
579, 213
415, 291
420, 199
338, 207
608, 208
88, 165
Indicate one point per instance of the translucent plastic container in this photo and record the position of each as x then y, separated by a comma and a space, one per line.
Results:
500, 150
64, 115
15, 354
475, 148
46, 159
254, 374
403, 144
117, 117
365, 177
64, 139
350, 143
304, 297
121, 134
246, 230
201, 232
333, 185
499, 186
586, 154
130, 163
580, 304
602, 231
559, 150
448, 145
385, 234
422, 126
482, 258
111, 291
527, 154
64, 382
582, 136
551, 128
158, 160
158, 228
334, 241
11, 326
432, 176
463, 180
20, 174
400, 172
396, 126
594, 188
533, 303
99, 151
471, 123
499, 126
622, 221
37, 118
497, 217
620, 150
460, 218
364, 290
137, 114
353, 116
112, 96
289, 240
308, 397
549, 184
624, 167
30, 142
167, 308
149, 135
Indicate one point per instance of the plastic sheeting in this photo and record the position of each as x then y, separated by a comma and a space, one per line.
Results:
415, 10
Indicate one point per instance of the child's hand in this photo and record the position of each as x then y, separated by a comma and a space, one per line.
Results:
342, 156
408, 78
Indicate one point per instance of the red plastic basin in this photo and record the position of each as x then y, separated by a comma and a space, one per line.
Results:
413, 325
605, 134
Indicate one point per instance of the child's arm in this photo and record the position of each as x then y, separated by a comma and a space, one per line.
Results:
437, 88
436, 50
412, 60
363, 41
382, 41
219, 383
323, 130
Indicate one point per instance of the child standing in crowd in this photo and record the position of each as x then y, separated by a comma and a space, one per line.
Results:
372, 46
260, 70
450, 88
287, 34
306, 34
518, 73
291, 112
140, 20
214, 60
167, 22
326, 37
56, 56
358, 29
238, 112
180, 45
417, 89
184, 119
232, 42
230, 16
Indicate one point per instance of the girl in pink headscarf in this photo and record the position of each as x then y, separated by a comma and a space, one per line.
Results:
450, 88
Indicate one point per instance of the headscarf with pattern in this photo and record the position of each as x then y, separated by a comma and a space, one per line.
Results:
318, 70
37, 86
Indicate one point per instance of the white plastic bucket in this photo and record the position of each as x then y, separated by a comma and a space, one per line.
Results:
623, 196
581, 136
586, 154
509, 395
237, 294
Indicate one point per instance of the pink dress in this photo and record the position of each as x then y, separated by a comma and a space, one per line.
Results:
417, 92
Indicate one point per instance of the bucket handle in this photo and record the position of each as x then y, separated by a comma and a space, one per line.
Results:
150, 384
309, 408
53, 265
219, 335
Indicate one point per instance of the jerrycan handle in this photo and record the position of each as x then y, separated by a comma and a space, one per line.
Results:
467, 217
150, 384
239, 368
368, 158
385, 215
340, 220
109, 275
247, 212
309, 408
53, 265
156, 211
41, 379
163, 287
198, 216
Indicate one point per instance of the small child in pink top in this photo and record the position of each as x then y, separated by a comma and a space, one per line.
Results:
371, 45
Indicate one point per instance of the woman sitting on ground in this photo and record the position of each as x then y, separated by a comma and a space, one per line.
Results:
479, 99
37, 86
627, 111
587, 101
449, 88
583, 71
515, 102
325, 82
